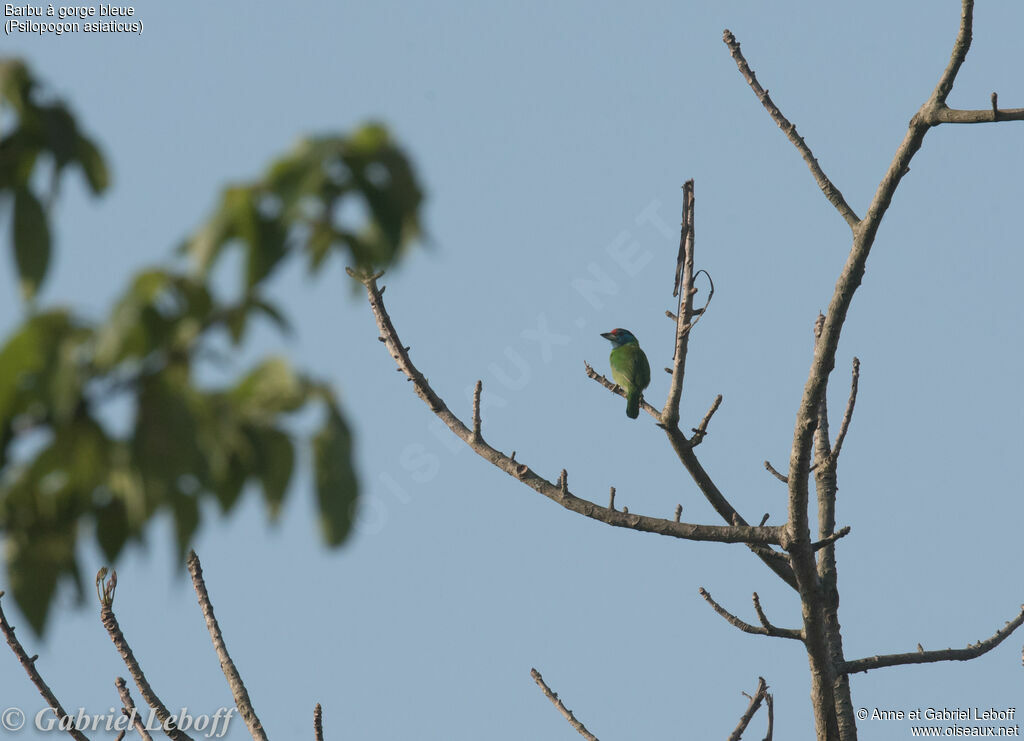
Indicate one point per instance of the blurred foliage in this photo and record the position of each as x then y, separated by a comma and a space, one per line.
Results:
63, 474
41, 142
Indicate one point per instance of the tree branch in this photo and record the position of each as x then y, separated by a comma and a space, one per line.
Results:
755, 703
766, 629
566, 712
972, 651
129, 706
29, 664
702, 429
847, 415
832, 538
114, 630
684, 290
238, 690
558, 493
318, 723
827, 187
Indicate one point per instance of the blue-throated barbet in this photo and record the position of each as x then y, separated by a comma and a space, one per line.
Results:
630, 368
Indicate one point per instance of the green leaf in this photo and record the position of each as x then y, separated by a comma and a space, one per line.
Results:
31, 241
26, 358
164, 445
93, 165
276, 459
186, 520
34, 564
112, 528
271, 388
336, 486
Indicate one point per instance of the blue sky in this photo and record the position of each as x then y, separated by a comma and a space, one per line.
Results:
543, 133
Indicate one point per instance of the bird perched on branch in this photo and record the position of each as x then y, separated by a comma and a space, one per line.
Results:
630, 368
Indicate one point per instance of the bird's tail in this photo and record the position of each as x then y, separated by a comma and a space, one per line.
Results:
633, 403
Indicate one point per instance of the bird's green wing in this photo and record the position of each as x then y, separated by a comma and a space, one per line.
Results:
630, 367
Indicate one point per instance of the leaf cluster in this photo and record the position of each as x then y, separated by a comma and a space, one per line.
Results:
105, 425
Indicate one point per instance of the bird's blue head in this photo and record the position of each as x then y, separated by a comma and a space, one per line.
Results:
619, 337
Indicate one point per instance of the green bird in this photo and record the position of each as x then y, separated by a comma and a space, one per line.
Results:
630, 368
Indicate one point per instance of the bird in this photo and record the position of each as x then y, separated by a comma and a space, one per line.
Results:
630, 368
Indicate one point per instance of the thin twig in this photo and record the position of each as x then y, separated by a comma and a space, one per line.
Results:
827, 187
848, 414
476, 409
972, 651
771, 469
121, 644
755, 703
611, 498
318, 723
772, 629
29, 664
566, 712
238, 690
770, 702
702, 429
684, 290
129, 706
766, 628
840, 533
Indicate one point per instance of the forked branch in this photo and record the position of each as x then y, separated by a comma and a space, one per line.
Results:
761, 695
556, 492
766, 629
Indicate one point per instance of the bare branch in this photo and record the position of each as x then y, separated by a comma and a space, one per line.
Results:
129, 706
611, 499
476, 409
847, 415
702, 429
960, 48
566, 712
956, 116
770, 702
755, 703
827, 187
558, 493
684, 290
972, 651
774, 630
318, 723
29, 664
238, 690
121, 644
840, 533
766, 628
771, 469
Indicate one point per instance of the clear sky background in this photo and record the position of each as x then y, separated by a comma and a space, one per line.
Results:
542, 132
